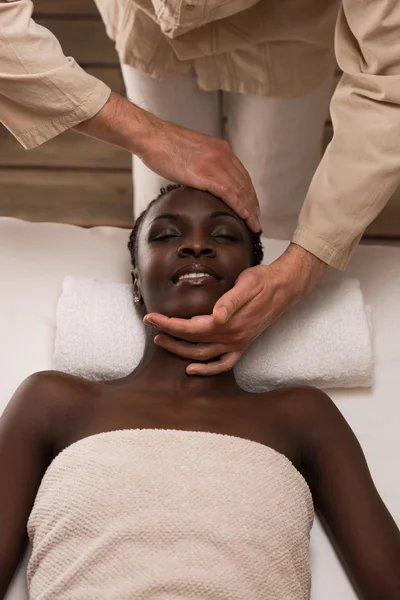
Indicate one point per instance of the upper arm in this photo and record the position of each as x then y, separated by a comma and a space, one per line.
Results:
24, 456
353, 512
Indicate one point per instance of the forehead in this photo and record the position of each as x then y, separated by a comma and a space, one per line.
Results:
187, 202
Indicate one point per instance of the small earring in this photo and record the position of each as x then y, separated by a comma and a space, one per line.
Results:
136, 298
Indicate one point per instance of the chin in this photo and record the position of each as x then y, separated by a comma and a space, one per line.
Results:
187, 312
190, 305
185, 302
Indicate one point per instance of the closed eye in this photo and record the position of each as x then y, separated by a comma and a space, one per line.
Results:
165, 236
227, 236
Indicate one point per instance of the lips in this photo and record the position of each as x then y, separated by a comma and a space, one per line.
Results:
189, 272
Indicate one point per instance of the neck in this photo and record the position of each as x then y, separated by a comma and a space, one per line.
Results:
160, 371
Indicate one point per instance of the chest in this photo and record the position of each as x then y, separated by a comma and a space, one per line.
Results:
249, 417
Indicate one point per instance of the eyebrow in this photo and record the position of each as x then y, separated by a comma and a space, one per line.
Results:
224, 213
169, 216
214, 215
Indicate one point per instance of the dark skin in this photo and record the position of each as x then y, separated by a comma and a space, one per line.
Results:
50, 411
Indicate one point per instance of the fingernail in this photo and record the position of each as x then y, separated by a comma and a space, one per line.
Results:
255, 225
224, 314
246, 214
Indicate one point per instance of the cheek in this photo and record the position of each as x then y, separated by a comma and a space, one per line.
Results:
144, 269
152, 276
235, 261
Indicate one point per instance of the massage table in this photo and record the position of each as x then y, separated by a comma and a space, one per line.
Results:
35, 258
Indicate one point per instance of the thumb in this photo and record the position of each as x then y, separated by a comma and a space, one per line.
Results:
243, 291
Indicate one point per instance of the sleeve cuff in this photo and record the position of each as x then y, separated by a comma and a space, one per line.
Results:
324, 249
52, 127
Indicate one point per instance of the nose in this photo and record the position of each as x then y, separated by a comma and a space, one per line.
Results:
196, 248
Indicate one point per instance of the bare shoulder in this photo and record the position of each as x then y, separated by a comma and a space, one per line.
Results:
304, 403
309, 405
319, 426
308, 416
48, 386
316, 411
45, 399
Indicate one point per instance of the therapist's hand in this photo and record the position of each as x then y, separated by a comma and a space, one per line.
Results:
261, 295
178, 154
202, 162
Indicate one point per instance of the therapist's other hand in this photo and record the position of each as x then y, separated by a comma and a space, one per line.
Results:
176, 153
261, 295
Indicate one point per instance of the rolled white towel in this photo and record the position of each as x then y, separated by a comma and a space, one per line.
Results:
325, 341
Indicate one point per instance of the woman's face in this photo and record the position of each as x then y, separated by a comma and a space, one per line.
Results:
191, 249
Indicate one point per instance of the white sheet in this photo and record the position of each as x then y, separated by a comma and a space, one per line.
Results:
34, 258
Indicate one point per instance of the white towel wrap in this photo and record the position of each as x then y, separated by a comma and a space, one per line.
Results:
166, 515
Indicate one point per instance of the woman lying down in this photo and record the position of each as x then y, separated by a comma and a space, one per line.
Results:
165, 486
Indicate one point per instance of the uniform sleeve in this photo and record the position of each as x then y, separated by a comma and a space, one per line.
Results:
361, 167
42, 92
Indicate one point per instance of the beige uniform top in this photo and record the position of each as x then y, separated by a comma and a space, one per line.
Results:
270, 47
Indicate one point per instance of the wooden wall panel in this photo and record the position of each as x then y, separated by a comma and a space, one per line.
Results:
85, 198
68, 150
69, 7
